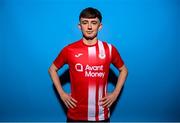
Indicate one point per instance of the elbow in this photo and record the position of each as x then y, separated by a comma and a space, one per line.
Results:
50, 70
126, 70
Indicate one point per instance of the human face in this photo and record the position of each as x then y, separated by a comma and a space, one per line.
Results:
90, 27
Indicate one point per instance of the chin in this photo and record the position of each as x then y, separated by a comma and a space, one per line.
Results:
89, 37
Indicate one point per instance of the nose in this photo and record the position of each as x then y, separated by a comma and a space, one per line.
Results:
89, 26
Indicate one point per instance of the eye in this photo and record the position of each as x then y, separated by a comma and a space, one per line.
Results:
84, 22
94, 22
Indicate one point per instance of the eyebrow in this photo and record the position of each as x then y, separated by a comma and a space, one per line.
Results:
94, 21
91, 21
84, 21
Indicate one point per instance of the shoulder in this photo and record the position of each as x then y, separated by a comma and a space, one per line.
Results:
109, 46
74, 44
106, 44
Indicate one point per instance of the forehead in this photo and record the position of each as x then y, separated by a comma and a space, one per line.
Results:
89, 19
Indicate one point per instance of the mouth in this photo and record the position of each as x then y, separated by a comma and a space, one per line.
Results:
89, 32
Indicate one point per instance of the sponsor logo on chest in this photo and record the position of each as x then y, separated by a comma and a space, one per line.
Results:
91, 71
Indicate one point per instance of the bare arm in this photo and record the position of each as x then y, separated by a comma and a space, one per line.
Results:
66, 98
108, 100
121, 79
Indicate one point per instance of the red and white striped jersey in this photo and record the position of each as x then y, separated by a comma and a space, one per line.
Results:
89, 68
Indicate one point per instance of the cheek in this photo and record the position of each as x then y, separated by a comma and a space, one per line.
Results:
83, 28
95, 27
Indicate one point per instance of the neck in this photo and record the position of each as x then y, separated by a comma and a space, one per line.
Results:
90, 41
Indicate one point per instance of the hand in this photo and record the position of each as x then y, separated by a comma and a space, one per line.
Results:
68, 100
108, 100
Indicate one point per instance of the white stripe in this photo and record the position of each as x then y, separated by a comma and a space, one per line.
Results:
106, 94
101, 109
92, 90
108, 113
110, 49
101, 50
105, 90
91, 103
92, 51
101, 47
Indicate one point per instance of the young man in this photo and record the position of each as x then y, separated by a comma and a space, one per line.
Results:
89, 60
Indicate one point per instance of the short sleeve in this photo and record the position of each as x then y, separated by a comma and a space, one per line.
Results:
116, 58
61, 59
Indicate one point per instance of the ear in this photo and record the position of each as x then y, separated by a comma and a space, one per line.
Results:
79, 26
100, 26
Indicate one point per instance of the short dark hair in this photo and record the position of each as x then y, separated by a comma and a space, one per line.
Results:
90, 13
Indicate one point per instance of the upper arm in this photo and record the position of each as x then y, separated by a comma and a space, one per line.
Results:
116, 59
61, 59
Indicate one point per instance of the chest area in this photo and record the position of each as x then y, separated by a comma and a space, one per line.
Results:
88, 56
89, 61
